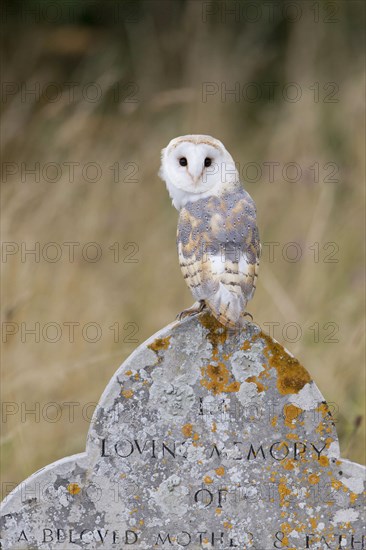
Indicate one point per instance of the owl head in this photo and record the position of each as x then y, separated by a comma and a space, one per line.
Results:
196, 166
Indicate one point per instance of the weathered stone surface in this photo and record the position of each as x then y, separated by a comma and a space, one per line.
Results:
202, 439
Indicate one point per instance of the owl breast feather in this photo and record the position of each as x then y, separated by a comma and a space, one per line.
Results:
218, 247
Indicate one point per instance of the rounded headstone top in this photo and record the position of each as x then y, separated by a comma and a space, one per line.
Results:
202, 436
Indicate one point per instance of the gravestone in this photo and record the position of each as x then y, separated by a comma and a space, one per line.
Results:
204, 438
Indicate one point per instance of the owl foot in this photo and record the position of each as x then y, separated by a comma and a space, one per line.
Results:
193, 310
247, 314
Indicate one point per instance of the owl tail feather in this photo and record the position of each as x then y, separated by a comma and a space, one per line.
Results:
227, 307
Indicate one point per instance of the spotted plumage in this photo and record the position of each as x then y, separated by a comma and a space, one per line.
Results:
217, 238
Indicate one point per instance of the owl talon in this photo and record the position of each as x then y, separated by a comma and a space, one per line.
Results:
247, 314
193, 310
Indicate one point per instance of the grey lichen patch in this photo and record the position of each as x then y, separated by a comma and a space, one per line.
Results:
171, 497
248, 362
171, 397
248, 393
308, 398
201, 438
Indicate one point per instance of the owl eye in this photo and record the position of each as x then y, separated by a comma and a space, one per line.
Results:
183, 161
208, 162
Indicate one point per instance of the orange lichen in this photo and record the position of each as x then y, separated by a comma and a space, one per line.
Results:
313, 479
291, 375
127, 393
247, 345
217, 333
260, 386
291, 414
287, 464
207, 480
336, 484
128, 372
227, 525
323, 461
196, 436
320, 428
73, 488
159, 344
187, 430
272, 477
216, 376
323, 409
283, 491
264, 373
220, 471
214, 427
217, 379
274, 421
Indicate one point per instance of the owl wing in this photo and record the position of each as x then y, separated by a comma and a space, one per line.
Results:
219, 249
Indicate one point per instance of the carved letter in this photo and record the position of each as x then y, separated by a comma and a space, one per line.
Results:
317, 450
251, 450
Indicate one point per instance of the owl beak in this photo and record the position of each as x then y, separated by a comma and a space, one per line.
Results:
196, 176
196, 170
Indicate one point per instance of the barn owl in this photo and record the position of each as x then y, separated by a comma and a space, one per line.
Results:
217, 237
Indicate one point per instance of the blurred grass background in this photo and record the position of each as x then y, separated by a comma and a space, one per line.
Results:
148, 62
